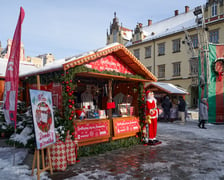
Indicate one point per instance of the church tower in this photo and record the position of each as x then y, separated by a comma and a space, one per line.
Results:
118, 33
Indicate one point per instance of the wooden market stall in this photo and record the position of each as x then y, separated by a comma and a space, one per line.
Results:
99, 91
161, 90
107, 83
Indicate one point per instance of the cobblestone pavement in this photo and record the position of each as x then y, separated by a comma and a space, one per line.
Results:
186, 152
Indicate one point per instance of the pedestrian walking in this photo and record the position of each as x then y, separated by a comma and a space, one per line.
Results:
166, 105
203, 113
181, 109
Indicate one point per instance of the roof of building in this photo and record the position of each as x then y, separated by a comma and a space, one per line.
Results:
24, 67
54, 66
167, 88
175, 24
115, 48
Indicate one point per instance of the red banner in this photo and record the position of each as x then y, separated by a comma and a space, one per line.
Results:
12, 74
110, 63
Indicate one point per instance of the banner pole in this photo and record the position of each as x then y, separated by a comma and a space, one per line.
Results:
14, 153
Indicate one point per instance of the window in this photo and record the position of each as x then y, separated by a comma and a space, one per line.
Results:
161, 49
194, 39
114, 35
161, 71
176, 45
137, 53
214, 36
214, 9
176, 69
148, 52
194, 66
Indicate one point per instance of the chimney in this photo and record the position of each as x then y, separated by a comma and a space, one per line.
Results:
149, 22
186, 9
176, 12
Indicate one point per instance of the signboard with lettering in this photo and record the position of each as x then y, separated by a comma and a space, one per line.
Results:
126, 126
43, 118
91, 130
110, 63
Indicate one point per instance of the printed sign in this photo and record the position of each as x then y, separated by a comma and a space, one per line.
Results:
126, 125
43, 118
92, 130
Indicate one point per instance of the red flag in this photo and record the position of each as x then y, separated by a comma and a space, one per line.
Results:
12, 74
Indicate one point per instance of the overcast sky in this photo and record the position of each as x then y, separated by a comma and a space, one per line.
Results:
70, 27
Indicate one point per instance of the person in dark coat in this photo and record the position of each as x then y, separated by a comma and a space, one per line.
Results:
181, 109
203, 113
166, 105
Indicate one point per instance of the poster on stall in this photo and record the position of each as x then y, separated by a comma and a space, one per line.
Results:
43, 118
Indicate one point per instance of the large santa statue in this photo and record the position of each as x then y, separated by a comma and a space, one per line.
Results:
151, 118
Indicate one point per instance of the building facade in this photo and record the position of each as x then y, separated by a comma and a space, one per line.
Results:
39, 61
169, 48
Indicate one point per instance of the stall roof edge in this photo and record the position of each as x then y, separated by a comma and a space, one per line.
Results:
109, 49
167, 87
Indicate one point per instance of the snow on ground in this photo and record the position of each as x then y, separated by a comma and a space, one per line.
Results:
195, 152
8, 171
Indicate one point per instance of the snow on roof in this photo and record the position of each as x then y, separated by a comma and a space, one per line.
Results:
168, 87
55, 65
169, 26
127, 35
24, 67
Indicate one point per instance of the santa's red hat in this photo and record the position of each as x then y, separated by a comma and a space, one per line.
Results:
148, 92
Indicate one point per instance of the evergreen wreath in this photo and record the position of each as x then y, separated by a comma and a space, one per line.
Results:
219, 60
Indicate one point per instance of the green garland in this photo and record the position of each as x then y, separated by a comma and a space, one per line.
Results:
46, 78
141, 104
82, 68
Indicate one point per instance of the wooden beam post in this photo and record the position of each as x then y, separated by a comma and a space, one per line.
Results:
110, 110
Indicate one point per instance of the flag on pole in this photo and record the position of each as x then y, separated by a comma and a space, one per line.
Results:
12, 74
214, 83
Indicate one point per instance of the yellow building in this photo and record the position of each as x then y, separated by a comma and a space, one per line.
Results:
41, 60
169, 48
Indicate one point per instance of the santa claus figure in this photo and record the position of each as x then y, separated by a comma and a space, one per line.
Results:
151, 118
